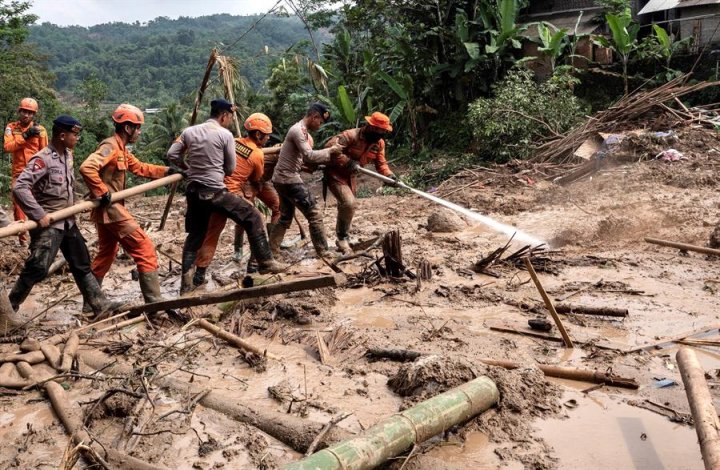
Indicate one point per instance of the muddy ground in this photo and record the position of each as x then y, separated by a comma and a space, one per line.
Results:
595, 228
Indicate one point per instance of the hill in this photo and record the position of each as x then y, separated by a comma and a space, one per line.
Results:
151, 63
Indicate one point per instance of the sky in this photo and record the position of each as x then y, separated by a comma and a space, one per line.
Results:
92, 12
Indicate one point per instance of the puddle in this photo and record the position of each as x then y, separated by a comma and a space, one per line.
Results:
476, 452
601, 433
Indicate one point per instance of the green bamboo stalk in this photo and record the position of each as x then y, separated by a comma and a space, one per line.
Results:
394, 435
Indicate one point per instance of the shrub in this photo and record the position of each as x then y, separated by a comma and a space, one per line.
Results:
522, 113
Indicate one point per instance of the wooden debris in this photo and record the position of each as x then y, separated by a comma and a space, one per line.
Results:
683, 246
392, 254
701, 406
400, 355
241, 294
234, 340
672, 339
325, 356
325, 429
424, 270
585, 310
584, 375
548, 304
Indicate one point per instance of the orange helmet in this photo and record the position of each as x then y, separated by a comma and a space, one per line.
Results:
28, 104
380, 121
259, 122
128, 113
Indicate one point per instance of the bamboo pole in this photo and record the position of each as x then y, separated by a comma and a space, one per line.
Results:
241, 294
599, 311
193, 118
548, 303
683, 246
394, 435
83, 206
701, 406
234, 340
571, 373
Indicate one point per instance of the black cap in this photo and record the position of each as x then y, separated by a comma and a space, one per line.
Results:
321, 109
222, 105
67, 123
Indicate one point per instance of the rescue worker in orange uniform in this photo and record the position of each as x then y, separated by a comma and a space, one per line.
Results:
23, 139
244, 181
104, 172
360, 146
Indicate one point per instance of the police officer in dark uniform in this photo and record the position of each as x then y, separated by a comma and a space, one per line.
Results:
45, 186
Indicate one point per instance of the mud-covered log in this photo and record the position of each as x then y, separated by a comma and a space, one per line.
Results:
585, 310
683, 246
69, 414
703, 412
241, 294
236, 341
289, 429
400, 355
584, 375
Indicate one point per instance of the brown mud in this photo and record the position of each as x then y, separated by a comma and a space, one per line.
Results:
595, 229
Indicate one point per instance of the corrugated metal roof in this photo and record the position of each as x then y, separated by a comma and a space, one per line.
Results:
662, 5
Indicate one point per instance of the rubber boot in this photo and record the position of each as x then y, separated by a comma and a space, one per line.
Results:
319, 240
86, 308
9, 321
344, 246
238, 244
188, 263
199, 276
275, 238
150, 287
19, 293
260, 250
91, 291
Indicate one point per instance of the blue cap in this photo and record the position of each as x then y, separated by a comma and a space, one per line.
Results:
222, 105
67, 123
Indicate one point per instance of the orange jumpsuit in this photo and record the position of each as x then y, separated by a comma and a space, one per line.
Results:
342, 182
22, 150
248, 172
103, 171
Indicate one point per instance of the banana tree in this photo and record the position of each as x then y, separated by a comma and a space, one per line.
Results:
623, 40
403, 89
552, 42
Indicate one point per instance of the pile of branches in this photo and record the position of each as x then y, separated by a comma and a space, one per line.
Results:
629, 108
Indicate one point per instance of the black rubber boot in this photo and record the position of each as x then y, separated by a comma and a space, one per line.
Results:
238, 245
199, 276
94, 295
150, 287
86, 308
188, 263
275, 237
19, 293
260, 250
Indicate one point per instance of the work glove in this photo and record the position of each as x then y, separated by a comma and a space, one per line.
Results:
175, 171
395, 180
336, 150
353, 166
105, 199
31, 132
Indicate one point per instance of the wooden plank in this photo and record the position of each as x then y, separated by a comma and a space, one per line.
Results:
548, 303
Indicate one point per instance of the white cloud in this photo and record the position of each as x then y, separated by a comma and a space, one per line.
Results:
91, 12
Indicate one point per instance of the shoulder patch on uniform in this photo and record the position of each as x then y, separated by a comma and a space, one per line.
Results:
38, 165
105, 150
242, 150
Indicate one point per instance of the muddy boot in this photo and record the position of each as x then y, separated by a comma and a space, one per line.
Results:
344, 246
199, 276
150, 287
9, 321
261, 252
86, 308
91, 291
238, 245
252, 266
188, 263
275, 238
319, 240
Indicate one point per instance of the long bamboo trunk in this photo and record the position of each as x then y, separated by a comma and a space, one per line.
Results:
394, 435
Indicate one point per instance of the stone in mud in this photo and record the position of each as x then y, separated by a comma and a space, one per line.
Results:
445, 221
429, 376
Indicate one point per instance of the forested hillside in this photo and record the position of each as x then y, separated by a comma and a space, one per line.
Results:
160, 61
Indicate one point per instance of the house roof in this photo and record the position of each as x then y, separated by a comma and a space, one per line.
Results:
565, 21
662, 5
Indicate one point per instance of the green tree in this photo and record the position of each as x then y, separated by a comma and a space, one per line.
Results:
623, 40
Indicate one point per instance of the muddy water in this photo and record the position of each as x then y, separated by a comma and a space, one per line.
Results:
602, 433
477, 452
